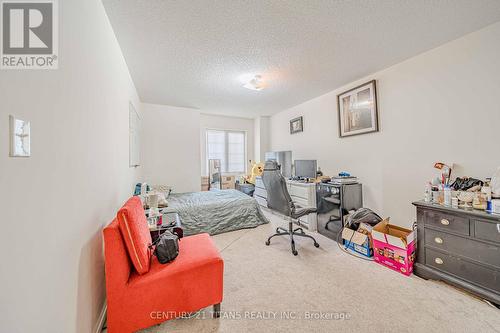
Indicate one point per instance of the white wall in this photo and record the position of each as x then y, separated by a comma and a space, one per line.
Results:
171, 147
225, 123
262, 137
173, 144
55, 203
442, 105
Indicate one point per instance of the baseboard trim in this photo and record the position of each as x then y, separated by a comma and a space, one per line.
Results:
102, 318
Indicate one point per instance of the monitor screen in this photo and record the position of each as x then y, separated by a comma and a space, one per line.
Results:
305, 168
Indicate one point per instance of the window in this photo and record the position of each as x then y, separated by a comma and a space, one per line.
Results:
229, 147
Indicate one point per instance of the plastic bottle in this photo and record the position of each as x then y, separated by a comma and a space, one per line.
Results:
428, 193
486, 190
447, 196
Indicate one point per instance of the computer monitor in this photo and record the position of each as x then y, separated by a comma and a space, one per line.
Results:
306, 168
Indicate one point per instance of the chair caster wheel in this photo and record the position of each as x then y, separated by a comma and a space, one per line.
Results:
295, 253
268, 242
316, 244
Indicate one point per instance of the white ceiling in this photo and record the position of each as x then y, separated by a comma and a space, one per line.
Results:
192, 53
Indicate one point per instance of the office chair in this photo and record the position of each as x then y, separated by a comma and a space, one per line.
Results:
279, 199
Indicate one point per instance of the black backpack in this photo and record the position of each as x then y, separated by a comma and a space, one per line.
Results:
166, 248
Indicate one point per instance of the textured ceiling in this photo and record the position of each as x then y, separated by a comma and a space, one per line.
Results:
193, 53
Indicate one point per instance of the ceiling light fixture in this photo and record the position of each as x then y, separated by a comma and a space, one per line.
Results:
255, 83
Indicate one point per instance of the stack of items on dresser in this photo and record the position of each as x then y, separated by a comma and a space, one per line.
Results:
464, 192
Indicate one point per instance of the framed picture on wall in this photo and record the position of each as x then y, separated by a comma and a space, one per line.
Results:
296, 125
357, 110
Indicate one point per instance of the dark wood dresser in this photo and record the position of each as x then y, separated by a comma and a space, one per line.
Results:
461, 247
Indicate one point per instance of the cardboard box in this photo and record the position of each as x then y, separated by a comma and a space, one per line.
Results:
204, 187
394, 247
227, 186
357, 242
228, 182
228, 179
204, 180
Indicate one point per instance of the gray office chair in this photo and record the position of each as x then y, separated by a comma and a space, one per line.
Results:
279, 199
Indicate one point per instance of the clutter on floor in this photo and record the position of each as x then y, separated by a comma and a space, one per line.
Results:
365, 234
394, 247
359, 240
356, 234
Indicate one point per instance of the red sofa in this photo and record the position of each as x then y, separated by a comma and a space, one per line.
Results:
194, 280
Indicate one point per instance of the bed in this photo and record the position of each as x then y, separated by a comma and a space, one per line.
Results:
215, 212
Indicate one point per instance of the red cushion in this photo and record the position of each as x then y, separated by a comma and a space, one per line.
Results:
195, 252
135, 232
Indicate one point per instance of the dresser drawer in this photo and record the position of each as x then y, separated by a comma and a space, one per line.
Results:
466, 270
261, 201
299, 191
489, 231
447, 222
260, 192
259, 183
469, 248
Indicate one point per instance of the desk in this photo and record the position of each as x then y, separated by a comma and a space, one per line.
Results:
303, 195
334, 201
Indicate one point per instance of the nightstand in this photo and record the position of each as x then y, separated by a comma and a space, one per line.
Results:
169, 221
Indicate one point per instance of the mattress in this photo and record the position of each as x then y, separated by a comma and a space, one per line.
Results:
215, 212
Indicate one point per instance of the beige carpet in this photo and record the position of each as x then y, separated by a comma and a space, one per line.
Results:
269, 282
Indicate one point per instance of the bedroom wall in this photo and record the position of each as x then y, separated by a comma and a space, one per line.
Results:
210, 121
262, 142
170, 144
442, 105
55, 203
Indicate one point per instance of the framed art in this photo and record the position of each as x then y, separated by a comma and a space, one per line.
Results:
357, 110
296, 125
20, 140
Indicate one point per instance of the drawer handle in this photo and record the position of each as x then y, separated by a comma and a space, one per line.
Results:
438, 261
498, 227
438, 240
445, 222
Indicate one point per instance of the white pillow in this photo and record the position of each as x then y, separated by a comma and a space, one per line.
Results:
156, 195
165, 189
